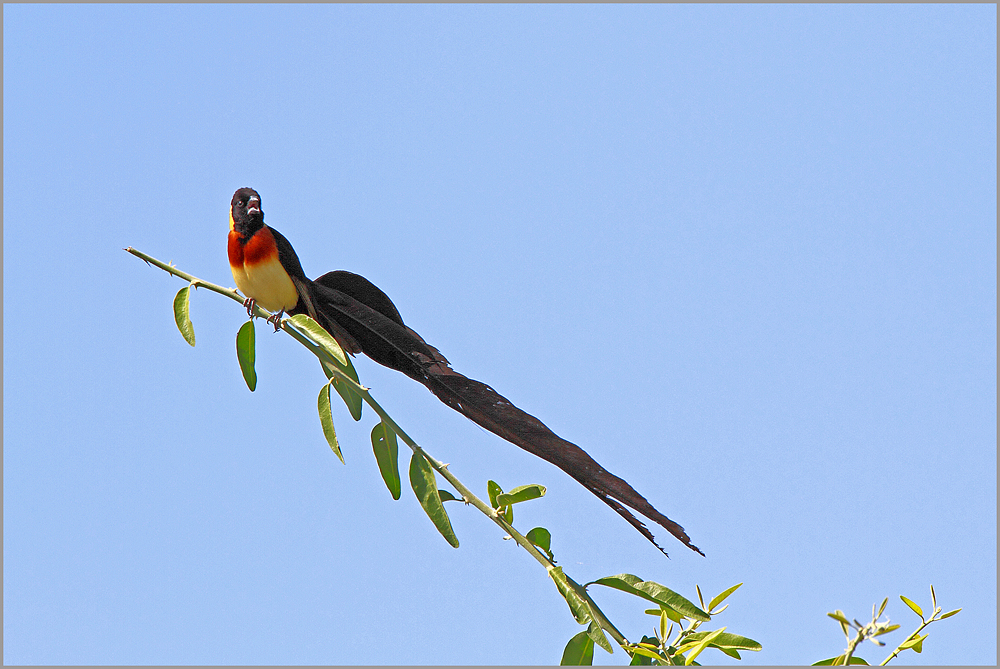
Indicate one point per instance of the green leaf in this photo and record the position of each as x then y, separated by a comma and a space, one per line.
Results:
886, 630
387, 456
583, 608
577, 604
579, 652
701, 645
639, 660
493, 489
916, 642
643, 660
326, 420
351, 398
913, 605
323, 339
828, 662
246, 354
670, 613
424, 484
596, 634
520, 494
645, 652
881, 608
839, 660
727, 640
653, 592
839, 617
542, 539
949, 614
447, 496
181, 316
721, 597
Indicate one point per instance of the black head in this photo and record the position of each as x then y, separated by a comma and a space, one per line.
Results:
246, 212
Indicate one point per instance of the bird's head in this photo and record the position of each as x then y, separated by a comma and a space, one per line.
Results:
246, 216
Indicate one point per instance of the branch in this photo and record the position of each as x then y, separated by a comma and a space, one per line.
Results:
334, 367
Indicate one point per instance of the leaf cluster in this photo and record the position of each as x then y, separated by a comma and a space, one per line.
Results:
663, 647
857, 633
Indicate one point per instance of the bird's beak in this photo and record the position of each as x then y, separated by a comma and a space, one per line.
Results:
253, 206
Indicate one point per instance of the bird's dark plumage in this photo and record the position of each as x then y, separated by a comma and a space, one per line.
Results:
364, 320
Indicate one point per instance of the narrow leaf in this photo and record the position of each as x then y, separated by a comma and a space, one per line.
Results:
424, 485
886, 630
521, 494
839, 660
913, 605
577, 604
839, 617
323, 339
702, 645
246, 353
507, 513
671, 614
579, 652
645, 652
387, 456
653, 592
727, 640
584, 608
596, 634
326, 420
447, 496
351, 398
639, 660
881, 608
721, 597
493, 489
949, 614
181, 315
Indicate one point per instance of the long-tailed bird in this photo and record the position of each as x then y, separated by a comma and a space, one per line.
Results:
364, 320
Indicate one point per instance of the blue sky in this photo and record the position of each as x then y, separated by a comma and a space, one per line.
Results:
743, 255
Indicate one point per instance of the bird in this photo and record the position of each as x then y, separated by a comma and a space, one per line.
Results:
363, 319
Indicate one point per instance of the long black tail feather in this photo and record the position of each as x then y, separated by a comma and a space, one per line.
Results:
366, 313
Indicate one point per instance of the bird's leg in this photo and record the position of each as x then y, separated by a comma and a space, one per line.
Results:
249, 304
275, 319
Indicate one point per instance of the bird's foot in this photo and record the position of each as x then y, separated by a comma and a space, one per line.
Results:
249, 304
275, 319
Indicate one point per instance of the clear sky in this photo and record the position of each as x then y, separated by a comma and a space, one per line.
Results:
743, 255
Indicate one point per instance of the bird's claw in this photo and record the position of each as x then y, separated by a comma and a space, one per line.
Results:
249, 304
275, 319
